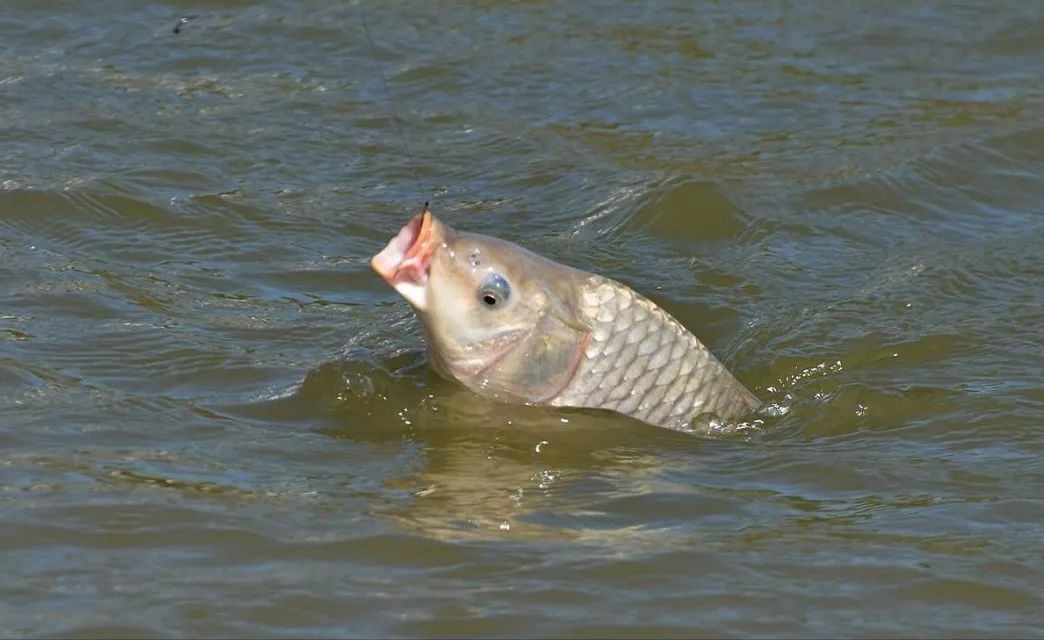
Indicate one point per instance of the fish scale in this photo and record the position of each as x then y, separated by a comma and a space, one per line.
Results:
641, 362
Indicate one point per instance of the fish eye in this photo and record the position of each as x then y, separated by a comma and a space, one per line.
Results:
494, 290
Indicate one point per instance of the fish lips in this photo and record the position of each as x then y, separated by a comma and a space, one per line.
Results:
406, 261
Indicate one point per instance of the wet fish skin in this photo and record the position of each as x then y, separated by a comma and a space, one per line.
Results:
556, 335
641, 362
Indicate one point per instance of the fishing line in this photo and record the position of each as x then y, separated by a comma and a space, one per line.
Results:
394, 107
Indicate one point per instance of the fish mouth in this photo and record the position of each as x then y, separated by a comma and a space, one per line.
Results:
405, 262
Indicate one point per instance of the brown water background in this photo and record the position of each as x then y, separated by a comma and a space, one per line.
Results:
216, 421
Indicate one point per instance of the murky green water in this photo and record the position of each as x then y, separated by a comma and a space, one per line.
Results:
216, 421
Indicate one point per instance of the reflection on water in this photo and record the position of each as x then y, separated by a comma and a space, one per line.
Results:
217, 421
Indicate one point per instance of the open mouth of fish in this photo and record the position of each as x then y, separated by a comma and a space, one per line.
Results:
408, 255
406, 261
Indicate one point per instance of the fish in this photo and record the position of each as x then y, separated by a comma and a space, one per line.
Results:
514, 326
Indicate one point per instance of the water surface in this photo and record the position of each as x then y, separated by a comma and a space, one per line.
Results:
216, 421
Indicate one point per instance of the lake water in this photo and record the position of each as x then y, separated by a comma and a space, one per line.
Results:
215, 420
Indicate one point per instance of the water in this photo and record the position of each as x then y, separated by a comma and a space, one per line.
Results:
216, 421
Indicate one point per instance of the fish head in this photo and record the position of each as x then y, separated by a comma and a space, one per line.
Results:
492, 311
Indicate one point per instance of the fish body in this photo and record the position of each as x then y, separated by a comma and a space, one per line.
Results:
512, 325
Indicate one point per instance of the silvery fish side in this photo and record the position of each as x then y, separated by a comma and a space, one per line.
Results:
641, 362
